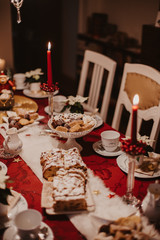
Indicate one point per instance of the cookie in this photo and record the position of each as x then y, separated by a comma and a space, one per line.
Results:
73, 123
24, 121
75, 128
62, 129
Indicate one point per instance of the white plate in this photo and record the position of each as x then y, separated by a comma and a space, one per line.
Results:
3, 168
11, 231
98, 148
122, 162
20, 206
98, 119
40, 94
5, 119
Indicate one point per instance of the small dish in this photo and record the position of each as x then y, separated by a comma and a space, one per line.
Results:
3, 168
6, 155
5, 124
40, 94
98, 148
10, 233
21, 87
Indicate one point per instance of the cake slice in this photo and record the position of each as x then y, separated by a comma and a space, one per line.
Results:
69, 192
73, 159
51, 162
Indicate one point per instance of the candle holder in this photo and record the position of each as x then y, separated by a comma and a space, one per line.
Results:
135, 153
51, 92
129, 198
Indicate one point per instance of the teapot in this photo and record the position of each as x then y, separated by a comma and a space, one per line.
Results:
12, 143
151, 203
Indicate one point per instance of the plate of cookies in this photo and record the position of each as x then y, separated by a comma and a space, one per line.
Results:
21, 119
71, 126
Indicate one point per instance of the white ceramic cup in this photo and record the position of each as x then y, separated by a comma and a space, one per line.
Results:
35, 87
110, 140
58, 103
28, 224
19, 79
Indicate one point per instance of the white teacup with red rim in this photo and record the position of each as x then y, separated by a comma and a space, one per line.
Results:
28, 224
110, 140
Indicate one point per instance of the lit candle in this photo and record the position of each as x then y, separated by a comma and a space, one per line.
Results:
134, 119
49, 65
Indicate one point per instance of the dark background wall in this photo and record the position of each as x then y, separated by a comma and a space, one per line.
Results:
44, 21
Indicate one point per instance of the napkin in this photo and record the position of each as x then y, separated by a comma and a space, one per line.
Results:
12, 200
149, 165
46, 196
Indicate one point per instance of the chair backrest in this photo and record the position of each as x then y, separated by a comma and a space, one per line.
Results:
145, 81
100, 85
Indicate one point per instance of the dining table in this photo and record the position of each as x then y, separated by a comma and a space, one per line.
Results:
102, 168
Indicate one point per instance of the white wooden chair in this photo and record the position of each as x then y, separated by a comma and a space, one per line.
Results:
145, 81
100, 65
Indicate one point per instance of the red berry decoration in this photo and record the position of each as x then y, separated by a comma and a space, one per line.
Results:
133, 149
46, 88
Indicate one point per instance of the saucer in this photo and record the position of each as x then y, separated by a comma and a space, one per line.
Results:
19, 206
3, 168
11, 231
21, 87
40, 94
98, 148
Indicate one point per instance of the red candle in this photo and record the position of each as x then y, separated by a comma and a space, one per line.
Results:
134, 119
49, 65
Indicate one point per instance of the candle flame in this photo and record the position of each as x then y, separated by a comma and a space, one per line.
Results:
49, 46
136, 99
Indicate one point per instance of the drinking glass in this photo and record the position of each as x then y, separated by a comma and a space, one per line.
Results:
129, 198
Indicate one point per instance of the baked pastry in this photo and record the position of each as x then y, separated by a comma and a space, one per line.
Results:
55, 159
73, 159
67, 174
51, 162
69, 192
